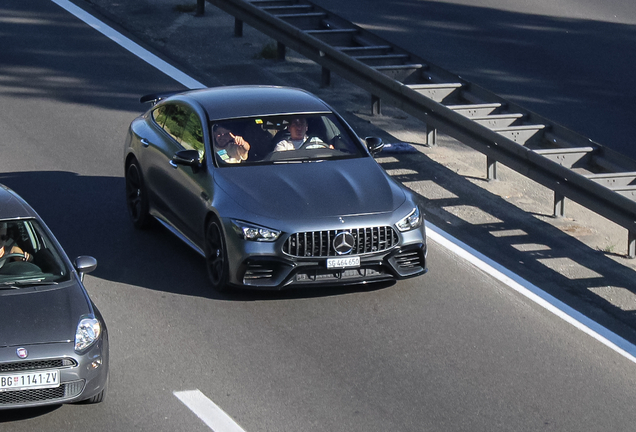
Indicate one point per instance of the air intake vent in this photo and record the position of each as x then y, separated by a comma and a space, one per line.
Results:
39, 364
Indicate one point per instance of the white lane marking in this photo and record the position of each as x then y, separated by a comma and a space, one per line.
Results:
534, 293
129, 45
213, 416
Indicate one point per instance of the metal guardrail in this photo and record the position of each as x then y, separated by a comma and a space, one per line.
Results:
565, 162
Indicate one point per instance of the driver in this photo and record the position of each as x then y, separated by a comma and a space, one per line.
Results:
7, 246
297, 136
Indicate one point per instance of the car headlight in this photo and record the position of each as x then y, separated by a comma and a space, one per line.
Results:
252, 232
87, 333
412, 221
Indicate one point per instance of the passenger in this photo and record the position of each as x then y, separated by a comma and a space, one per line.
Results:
7, 246
229, 147
297, 137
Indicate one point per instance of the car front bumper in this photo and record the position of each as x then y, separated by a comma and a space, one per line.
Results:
82, 376
277, 273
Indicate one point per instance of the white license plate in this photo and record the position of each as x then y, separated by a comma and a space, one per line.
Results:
335, 263
30, 380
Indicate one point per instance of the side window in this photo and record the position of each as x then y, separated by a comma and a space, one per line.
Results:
159, 115
172, 118
192, 137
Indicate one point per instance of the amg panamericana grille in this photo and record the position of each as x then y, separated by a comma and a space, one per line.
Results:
317, 244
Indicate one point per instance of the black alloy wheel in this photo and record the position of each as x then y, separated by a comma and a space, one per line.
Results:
136, 197
216, 256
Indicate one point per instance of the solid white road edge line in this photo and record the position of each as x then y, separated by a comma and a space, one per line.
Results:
532, 292
213, 416
129, 45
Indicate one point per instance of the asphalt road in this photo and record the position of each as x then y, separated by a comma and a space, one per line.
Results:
452, 350
571, 61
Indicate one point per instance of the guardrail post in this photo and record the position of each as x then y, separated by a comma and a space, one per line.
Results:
431, 136
325, 78
559, 205
238, 27
200, 8
491, 170
631, 244
376, 105
281, 50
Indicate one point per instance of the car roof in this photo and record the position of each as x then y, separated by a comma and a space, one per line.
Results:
12, 206
250, 101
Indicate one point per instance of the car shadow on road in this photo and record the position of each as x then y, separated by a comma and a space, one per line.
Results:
14, 415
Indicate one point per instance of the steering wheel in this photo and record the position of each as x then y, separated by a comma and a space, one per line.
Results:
309, 144
11, 255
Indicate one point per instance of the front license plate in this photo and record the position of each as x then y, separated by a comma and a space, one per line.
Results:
30, 380
336, 263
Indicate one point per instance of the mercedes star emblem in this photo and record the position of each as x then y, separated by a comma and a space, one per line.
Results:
343, 243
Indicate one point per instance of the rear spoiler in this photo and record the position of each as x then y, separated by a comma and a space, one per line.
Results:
156, 97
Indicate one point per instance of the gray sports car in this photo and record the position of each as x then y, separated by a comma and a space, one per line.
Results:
272, 187
53, 340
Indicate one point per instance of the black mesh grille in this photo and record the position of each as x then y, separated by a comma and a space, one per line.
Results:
38, 364
320, 243
64, 391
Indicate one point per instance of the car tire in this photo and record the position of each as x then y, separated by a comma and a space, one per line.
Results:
136, 196
216, 261
99, 397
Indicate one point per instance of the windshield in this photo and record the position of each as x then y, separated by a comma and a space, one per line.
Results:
28, 256
283, 139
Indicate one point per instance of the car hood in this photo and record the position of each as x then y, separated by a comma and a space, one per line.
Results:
41, 314
312, 190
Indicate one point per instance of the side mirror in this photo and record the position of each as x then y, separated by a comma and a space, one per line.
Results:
188, 158
374, 144
84, 264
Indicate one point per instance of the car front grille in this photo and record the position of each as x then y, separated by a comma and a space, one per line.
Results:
320, 244
64, 391
37, 364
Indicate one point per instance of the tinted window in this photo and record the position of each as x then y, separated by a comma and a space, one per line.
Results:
172, 118
192, 137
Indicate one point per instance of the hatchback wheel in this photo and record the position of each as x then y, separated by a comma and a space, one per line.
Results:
136, 197
216, 256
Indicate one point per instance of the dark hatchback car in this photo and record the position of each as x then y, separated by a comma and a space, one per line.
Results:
268, 211
53, 340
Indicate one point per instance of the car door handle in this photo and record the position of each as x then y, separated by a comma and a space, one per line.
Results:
145, 142
174, 165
